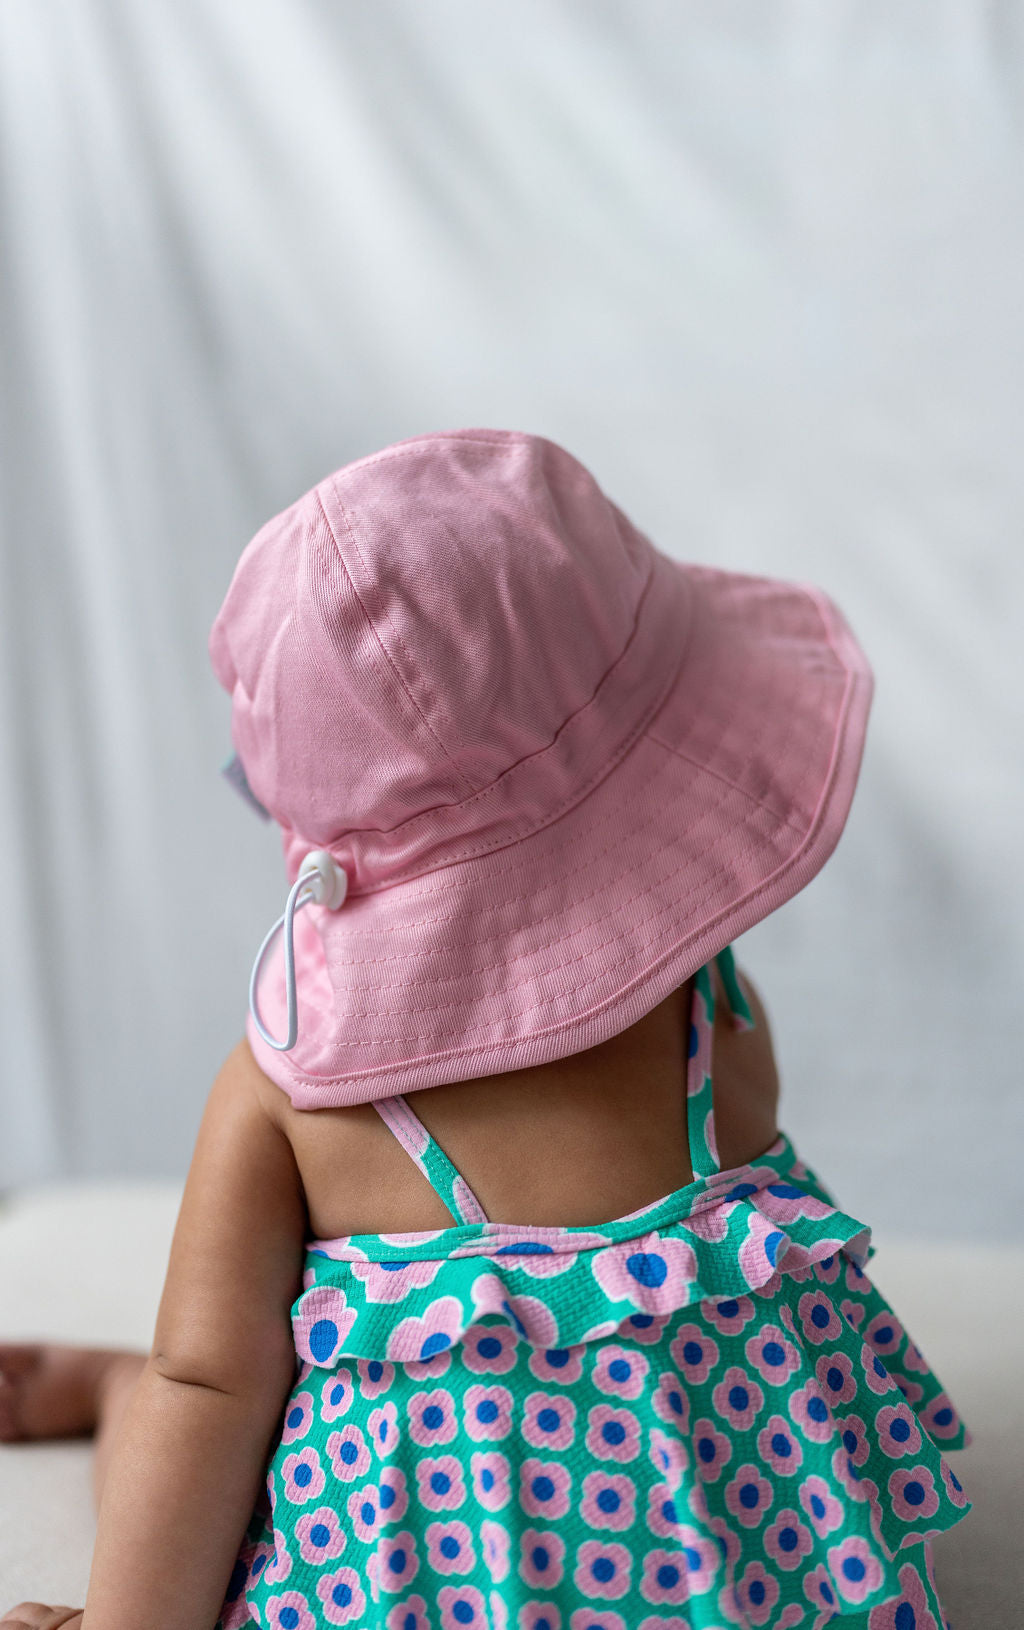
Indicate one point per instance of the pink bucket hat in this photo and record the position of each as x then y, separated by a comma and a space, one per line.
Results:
553, 771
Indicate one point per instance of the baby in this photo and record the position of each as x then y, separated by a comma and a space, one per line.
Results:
533, 776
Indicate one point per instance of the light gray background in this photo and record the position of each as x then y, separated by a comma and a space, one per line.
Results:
758, 264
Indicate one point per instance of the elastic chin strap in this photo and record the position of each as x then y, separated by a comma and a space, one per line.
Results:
321, 881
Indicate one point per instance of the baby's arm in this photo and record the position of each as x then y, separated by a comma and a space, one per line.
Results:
190, 1457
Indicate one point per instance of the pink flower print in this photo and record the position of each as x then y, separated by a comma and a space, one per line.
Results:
375, 1376
910, 1389
855, 1569
695, 1352
489, 1348
450, 1547
303, 1476
826, 1269
730, 1546
854, 1438
392, 1494
432, 1417
786, 1203
409, 1615
585, 1618
440, 1483
876, 1374
811, 1413
336, 1395
940, 1418
392, 1281
529, 1316
549, 1421
289, 1611
663, 1517
738, 1398
488, 1413
650, 1272
320, 1324
298, 1417
758, 1592
748, 1496
908, 1611
823, 1509
420, 1338
761, 1251
429, 1369
490, 1474
499, 1611
280, 1565
349, 1455
609, 1500
363, 1508
953, 1486
772, 1355
544, 1488
564, 1364
534, 1257
539, 1616
885, 1334
856, 1279
729, 1315
620, 1371
912, 1489
852, 1312
494, 1538
778, 1447
319, 1535
897, 1430
644, 1327
383, 1429
671, 1403
820, 1320
668, 1455
914, 1359
846, 1471
462, 1608
820, 1592
713, 1451
602, 1571
710, 1225
397, 1562
341, 1595
834, 1372
696, 1559
787, 1541
613, 1434
541, 1558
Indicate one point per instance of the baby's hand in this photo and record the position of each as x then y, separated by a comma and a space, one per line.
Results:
35, 1616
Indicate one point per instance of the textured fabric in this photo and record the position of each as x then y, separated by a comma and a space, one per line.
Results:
699, 1415
560, 770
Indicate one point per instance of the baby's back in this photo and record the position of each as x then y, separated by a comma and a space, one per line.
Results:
581, 1140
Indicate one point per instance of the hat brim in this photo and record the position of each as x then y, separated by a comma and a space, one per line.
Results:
727, 804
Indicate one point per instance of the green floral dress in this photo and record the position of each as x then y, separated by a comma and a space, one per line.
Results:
697, 1416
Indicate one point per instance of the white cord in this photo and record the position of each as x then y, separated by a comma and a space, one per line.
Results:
322, 881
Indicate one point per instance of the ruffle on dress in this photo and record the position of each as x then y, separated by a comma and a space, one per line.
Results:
747, 1290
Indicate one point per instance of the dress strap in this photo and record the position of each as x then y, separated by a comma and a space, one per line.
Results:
700, 1119
447, 1183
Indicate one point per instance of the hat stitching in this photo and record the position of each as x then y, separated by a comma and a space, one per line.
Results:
384, 1070
552, 968
549, 817
383, 648
577, 900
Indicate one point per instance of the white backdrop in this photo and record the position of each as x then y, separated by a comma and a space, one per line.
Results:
757, 263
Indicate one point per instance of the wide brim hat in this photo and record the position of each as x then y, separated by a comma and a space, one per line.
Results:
560, 769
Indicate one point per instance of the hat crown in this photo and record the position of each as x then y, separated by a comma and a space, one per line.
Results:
424, 649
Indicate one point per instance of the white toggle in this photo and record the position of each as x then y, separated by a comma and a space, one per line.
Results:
331, 880
321, 881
